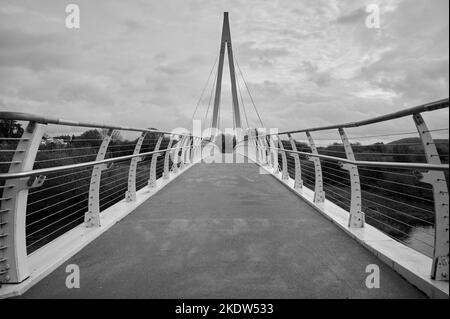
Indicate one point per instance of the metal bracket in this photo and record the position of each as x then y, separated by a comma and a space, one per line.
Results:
439, 269
92, 217
130, 194
13, 258
284, 169
167, 160
319, 193
36, 181
152, 179
357, 217
298, 172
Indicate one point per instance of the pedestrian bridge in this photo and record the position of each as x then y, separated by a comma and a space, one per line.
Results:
164, 217
96, 210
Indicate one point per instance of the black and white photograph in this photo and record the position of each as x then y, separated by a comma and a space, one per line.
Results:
224, 158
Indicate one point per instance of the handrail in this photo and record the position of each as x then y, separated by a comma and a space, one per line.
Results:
405, 165
441, 104
20, 116
79, 165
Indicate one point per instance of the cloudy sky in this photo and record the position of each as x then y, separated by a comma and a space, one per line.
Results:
145, 63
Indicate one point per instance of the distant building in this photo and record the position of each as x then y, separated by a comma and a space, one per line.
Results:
54, 141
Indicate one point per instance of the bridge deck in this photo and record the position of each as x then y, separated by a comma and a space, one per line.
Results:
224, 231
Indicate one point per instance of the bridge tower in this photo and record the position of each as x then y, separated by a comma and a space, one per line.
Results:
226, 43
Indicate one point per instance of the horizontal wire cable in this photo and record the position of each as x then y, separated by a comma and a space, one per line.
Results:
52, 196
399, 221
398, 230
58, 185
339, 201
39, 240
55, 213
64, 158
337, 194
67, 149
111, 188
122, 187
65, 175
399, 212
386, 172
348, 186
51, 224
52, 205
399, 193
395, 201
382, 135
398, 183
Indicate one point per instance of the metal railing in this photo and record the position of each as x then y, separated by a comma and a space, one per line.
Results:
49, 185
400, 187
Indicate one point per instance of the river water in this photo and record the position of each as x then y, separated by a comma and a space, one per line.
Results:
421, 238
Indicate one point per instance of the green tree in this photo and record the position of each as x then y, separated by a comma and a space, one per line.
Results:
10, 129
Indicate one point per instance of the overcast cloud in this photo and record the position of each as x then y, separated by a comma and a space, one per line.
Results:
144, 63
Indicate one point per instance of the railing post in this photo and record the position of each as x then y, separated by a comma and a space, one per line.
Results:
256, 149
183, 151
13, 206
253, 147
298, 172
273, 155
439, 269
152, 179
356, 218
257, 146
268, 151
92, 217
197, 150
263, 151
167, 159
284, 170
176, 153
130, 194
188, 151
193, 150
319, 193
